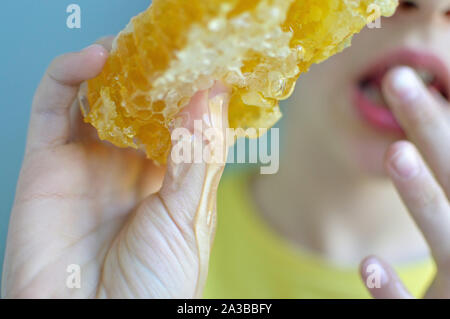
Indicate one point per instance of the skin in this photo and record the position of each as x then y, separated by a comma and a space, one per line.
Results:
329, 150
425, 190
81, 201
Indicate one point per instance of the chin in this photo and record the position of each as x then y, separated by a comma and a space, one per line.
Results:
361, 145
370, 162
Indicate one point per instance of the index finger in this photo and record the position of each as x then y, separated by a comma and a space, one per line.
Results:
423, 118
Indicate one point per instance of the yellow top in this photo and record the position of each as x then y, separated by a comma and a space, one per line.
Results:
249, 260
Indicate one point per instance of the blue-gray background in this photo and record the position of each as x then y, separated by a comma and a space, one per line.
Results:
32, 32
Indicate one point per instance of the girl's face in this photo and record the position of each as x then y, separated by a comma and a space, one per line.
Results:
340, 100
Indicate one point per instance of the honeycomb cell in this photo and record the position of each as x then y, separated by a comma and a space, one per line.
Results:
176, 47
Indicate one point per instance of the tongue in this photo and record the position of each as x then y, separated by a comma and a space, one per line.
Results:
373, 93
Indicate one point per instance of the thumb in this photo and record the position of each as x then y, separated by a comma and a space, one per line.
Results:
199, 145
195, 168
187, 198
50, 114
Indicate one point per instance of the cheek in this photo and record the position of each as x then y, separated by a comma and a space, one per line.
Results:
332, 116
367, 155
359, 146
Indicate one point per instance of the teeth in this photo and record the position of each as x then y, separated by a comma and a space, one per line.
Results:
374, 94
426, 76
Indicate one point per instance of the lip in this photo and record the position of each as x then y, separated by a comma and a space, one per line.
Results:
378, 117
382, 118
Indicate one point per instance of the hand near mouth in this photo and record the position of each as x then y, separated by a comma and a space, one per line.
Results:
420, 170
373, 106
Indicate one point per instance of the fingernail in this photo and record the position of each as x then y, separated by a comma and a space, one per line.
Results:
405, 84
101, 49
218, 98
216, 111
91, 46
405, 163
216, 119
377, 275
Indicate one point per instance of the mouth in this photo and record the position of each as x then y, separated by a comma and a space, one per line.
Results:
368, 96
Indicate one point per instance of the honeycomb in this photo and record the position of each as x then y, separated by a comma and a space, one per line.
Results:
177, 47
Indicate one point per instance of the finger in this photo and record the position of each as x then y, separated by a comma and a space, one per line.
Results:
79, 130
188, 194
207, 109
423, 197
186, 176
423, 118
439, 98
106, 42
50, 118
381, 280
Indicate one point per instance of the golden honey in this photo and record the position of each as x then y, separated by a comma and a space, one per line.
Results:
177, 47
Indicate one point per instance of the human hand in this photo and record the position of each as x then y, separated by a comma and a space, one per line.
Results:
85, 202
420, 170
